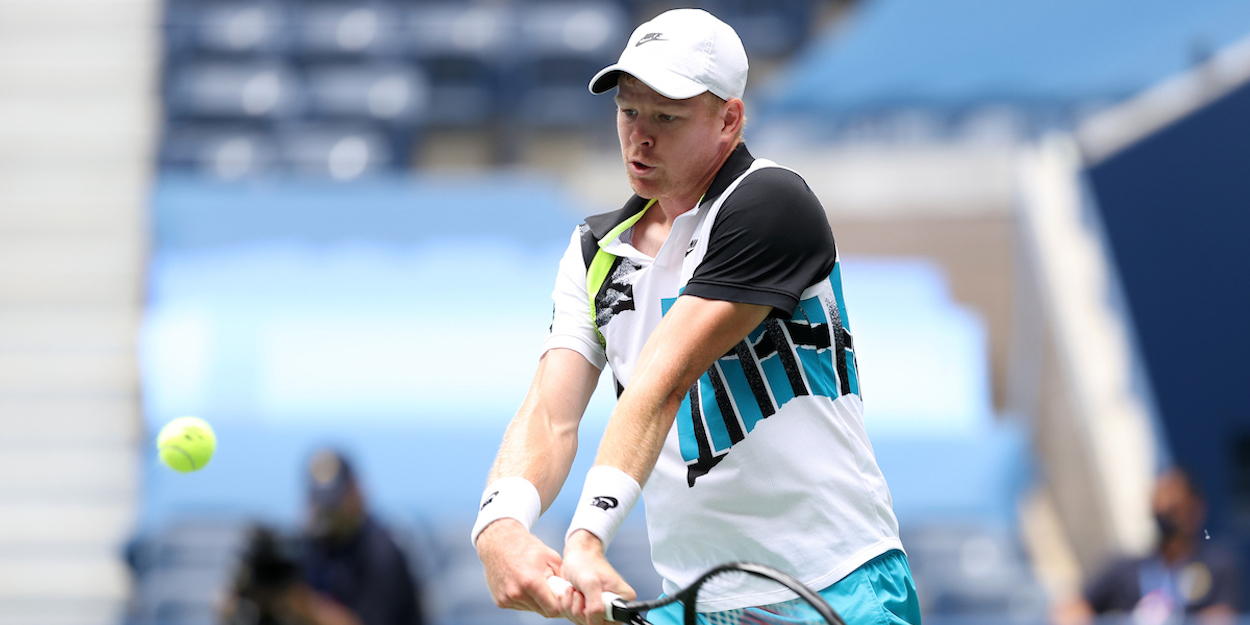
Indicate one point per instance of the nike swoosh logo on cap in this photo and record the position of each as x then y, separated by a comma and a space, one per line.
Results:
649, 37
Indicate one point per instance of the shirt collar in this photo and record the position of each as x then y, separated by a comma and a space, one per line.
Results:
738, 162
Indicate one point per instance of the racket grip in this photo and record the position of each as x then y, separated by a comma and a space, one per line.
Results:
558, 585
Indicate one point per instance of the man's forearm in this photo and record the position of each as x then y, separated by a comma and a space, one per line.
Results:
643, 416
541, 441
536, 455
539, 451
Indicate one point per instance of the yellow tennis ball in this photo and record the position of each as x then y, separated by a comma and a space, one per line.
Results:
186, 444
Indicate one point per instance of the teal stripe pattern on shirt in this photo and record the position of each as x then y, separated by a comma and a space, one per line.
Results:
809, 354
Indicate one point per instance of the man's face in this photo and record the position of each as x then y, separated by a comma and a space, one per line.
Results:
670, 147
338, 521
1176, 505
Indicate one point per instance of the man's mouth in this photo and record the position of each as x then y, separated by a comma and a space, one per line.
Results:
638, 167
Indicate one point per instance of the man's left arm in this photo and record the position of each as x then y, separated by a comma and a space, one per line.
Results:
692, 335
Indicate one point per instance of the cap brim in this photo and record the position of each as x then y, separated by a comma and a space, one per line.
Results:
666, 83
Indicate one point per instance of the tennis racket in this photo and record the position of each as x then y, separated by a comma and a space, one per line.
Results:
807, 609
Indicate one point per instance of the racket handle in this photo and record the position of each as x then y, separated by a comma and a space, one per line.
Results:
558, 585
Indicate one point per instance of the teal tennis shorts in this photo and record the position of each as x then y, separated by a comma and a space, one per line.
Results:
881, 592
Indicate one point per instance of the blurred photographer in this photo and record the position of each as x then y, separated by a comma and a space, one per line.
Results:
1185, 578
270, 590
346, 570
348, 556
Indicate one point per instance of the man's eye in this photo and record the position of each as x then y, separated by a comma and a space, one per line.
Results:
628, 112
664, 117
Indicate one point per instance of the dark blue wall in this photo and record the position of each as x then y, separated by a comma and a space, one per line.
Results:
1176, 208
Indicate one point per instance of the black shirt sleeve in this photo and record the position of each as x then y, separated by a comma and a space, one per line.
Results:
770, 241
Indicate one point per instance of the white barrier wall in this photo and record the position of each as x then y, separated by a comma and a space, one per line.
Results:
77, 114
1093, 427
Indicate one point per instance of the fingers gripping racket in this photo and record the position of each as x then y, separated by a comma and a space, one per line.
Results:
808, 608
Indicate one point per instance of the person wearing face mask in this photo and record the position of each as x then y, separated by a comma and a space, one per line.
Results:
348, 558
1186, 577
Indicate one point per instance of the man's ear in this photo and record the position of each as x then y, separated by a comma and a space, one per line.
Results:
733, 117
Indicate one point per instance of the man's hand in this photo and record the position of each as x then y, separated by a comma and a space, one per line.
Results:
517, 567
589, 572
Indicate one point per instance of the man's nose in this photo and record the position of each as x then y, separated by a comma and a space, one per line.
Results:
641, 135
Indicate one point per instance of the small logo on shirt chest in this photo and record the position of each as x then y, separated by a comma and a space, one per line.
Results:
690, 248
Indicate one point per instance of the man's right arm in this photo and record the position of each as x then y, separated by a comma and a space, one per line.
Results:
539, 446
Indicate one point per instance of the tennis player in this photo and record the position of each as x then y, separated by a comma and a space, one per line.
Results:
715, 296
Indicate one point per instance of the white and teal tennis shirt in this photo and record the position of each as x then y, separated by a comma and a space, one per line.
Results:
768, 460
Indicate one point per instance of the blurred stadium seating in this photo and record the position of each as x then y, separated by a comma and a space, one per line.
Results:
280, 68
916, 71
183, 572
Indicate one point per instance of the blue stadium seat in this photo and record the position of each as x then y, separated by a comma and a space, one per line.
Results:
462, 48
455, 29
970, 569
767, 29
551, 91
180, 597
257, 90
770, 29
181, 572
463, 90
348, 30
342, 151
394, 93
593, 29
560, 45
228, 152
227, 28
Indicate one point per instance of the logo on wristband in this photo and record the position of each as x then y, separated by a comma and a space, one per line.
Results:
489, 498
604, 502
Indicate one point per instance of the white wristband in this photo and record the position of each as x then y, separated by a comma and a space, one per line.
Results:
508, 498
607, 498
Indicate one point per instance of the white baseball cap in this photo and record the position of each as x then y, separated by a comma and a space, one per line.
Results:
681, 53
